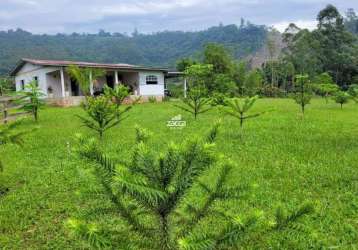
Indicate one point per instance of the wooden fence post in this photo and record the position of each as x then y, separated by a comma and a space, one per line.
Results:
5, 111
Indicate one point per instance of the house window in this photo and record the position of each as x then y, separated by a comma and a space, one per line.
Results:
151, 79
22, 84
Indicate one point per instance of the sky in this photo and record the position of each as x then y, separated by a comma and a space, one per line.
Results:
147, 16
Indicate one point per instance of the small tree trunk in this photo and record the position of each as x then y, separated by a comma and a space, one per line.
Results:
101, 134
34, 111
341, 105
164, 238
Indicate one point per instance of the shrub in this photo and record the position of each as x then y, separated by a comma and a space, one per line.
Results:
166, 99
151, 193
272, 91
152, 99
341, 98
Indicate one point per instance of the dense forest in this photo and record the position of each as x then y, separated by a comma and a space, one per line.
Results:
158, 49
326, 58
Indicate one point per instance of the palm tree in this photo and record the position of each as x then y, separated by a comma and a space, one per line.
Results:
84, 76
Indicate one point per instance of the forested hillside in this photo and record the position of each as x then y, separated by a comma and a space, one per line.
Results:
159, 49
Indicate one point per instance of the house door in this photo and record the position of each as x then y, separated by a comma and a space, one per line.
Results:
75, 89
110, 81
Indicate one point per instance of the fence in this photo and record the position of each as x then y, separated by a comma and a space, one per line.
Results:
10, 109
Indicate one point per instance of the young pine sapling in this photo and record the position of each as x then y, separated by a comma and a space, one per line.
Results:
239, 108
196, 102
154, 194
32, 99
102, 114
117, 95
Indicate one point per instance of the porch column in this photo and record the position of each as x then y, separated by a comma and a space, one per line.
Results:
185, 87
62, 76
116, 81
91, 83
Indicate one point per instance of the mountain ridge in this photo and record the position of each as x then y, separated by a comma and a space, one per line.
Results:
157, 49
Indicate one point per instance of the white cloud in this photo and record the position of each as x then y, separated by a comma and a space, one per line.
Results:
68, 16
146, 7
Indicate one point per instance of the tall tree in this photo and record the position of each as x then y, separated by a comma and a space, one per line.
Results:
338, 52
272, 50
218, 56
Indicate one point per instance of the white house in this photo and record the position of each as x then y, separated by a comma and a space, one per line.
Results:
60, 89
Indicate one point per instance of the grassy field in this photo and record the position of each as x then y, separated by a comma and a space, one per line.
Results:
288, 159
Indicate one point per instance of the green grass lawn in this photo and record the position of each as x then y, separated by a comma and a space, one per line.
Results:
287, 158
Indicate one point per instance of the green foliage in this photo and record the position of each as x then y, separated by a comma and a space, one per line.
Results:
103, 115
223, 83
152, 99
353, 92
218, 99
83, 77
149, 192
240, 75
176, 89
166, 99
117, 95
199, 75
184, 63
239, 108
218, 56
32, 99
252, 83
5, 85
324, 86
196, 102
284, 218
341, 98
303, 91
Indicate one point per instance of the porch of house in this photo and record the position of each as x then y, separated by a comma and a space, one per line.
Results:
61, 90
